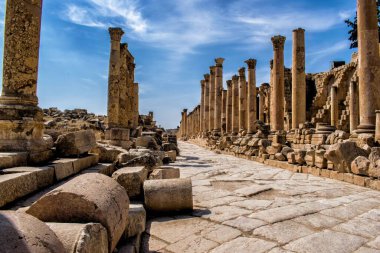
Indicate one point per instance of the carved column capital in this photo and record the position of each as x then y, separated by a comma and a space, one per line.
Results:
219, 62
207, 77
116, 33
278, 42
242, 72
251, 63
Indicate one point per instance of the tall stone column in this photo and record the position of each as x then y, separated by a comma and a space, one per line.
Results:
202, 108
185, 130
224, 112
21, 120
229, 107
298, 79
369, 64
243, 100
261, 105
136, 105
123, 88
218, 94
334, 107
354, 106
114, 78
235, 104
251, 101
207, 103
278, 89
212, 98
377, 133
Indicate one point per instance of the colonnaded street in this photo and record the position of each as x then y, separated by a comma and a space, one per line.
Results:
245, 206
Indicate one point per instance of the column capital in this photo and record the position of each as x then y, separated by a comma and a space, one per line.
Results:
185, 110
203, 83
242, 72
229, 83
212, 70
278, 42
116, 33
251, 63
235, 77
219, 62
299, 30
207, 77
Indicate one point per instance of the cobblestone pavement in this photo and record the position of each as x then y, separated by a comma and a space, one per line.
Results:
244, 206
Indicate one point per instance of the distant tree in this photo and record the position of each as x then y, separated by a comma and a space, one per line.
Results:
353, 25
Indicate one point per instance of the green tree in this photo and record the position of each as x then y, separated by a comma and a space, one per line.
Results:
353, 25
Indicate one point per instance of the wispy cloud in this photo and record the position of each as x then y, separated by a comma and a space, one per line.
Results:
328, 51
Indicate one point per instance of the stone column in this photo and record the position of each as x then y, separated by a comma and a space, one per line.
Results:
261, 105
278, 89
229, 107
136, 105
114, 78
377, 133
242, 100
21, 120
212, 98
202, 108
235, 105
218, 94
224, 112
369, 64
298, 79
185, 130
207, 103
251, 101
334, 107
123, 87
354, 106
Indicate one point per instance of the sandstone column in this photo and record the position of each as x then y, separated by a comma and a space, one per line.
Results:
136, 105
21, 120
185, 130
212, 98
218, 94
252, 95
235, 105
334, 107
261, 104
114, 78
224, 112
354, 106
123, 87
207, 103
229, 107
202, 108
242, 100
369, 64
298, 79
278, 89
377, 133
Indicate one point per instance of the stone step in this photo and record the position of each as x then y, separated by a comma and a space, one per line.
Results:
13, 159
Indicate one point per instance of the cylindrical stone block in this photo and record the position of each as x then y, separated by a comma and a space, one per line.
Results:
369, 64
20, 233
168, 195
298, 79
86, 198
251, 100
81, 238
278, 89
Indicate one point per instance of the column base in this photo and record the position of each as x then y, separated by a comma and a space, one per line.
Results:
118, 137
365, 129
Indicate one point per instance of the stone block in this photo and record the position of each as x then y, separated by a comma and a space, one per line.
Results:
310, 157
16, 185
374, 184
45, 176
168, 195
325, 173
291, 158
132, 179
63, 168
14, 159
85, 162
280, 157
103, 168
300, 156
75, 143
359, 180
81, 238
165, 173
107, 154
360, 166
118, 134
147, 142
20, 232
319, 159
348, 177
86, 198
136, 221
172, 155
315, 171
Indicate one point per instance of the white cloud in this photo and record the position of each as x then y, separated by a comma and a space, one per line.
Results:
82, 16
328, 51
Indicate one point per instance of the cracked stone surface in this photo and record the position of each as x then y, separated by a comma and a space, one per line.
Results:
244, 206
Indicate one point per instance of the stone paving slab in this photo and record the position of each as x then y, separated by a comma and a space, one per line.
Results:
244, 206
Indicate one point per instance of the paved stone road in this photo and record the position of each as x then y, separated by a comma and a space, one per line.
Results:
244, 206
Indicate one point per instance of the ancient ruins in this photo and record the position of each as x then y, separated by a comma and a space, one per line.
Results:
292, 165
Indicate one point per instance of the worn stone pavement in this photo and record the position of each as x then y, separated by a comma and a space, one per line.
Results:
244, 206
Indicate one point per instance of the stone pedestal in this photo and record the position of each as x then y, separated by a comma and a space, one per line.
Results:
207, 103
278, 89
243, 100
21, 120
298, 79
354, 106
118, 137
235, 104
229, 107
369, 64
218, 94
251, 101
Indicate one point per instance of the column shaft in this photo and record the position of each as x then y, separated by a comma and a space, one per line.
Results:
229, 107
202, 108
218, 93
251, 101
242, 100
334, 107
235, 104
354, 106
212, 98
224, 111
207, 103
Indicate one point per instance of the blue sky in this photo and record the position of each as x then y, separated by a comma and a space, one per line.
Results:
174, 43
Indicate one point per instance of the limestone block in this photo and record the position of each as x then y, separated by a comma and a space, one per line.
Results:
320, 160
66, 167
168, 195
291, 158
147, 142
85, 162
118, 134
280, 157
86, 198
17, 185
107, 154
300, 156
172, 155
374, 169
81, 238
360, 166
342, 155
254, 142
310, 157
285, 150
374, 155
274, 149
45, 176
149, 161
20, 233
131, 154
14, 159
132, 179
170, 147
366, 139
103, 168
165, 173
75, 143
136, 221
